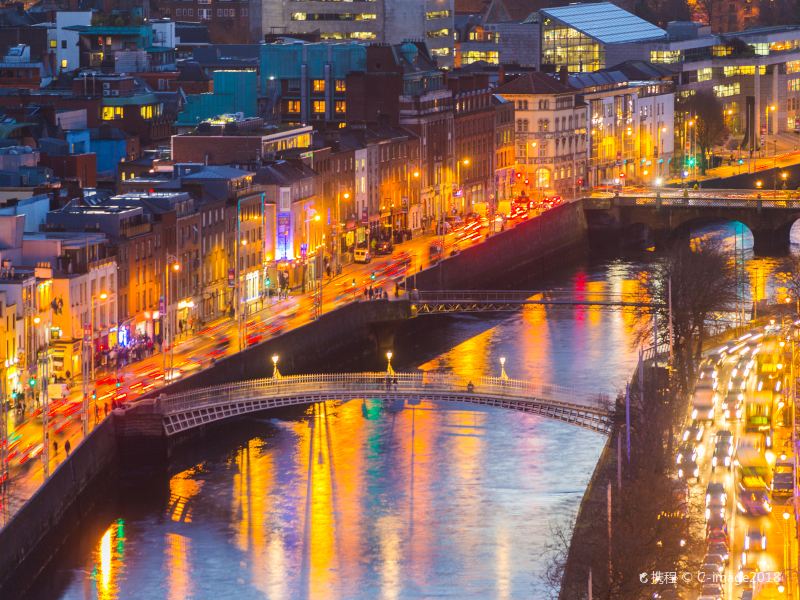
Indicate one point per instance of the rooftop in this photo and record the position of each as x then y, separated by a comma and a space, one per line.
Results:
534, 83
605, 22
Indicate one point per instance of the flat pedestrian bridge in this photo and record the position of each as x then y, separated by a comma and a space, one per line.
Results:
187, 410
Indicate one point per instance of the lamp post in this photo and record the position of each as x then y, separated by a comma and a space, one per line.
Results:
503, 374
275, 373
101, 296
171, 265
43, 377
660, 150
389, 369
767, 109
466, 163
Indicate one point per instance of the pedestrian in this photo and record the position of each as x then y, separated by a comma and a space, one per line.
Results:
385, 295
67, 447
96, 414
396, 289
369, 289
366, 293
55, 447
105, 409
388, 382
394, 381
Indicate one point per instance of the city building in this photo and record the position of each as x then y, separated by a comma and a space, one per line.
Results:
550, 125
305, 83
380, 21
233, 92
238, 140
474, 135
584, 36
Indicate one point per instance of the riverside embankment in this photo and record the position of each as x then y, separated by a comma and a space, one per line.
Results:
353, 334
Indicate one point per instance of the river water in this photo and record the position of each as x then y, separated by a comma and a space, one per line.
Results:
361, 500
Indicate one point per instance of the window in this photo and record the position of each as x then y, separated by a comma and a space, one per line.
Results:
204, 13
440, 51
722, 91
243, 12
666, 57
53, 43
318, 85
437, 14
293, 106
544, 124
444, 32
341, 106
704, 74
63, 63
111, 112
319, 107
341, 85
794, 85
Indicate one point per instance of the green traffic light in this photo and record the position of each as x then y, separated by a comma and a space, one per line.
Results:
32, 381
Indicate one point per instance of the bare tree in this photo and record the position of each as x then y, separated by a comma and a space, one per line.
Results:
697, 284
705, 111
789, 275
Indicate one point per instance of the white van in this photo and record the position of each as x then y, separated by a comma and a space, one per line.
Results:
361, 255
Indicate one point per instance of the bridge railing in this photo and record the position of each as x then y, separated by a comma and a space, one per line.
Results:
521, 296
377, 382
725, 199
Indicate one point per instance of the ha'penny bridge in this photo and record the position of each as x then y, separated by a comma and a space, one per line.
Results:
182, 412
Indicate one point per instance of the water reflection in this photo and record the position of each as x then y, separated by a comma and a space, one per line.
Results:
365, 499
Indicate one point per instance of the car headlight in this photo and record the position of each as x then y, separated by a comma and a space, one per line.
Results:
680, 473
740, 506
711, 414
708, 514
713, 463
767, 507
696, 471
747, 542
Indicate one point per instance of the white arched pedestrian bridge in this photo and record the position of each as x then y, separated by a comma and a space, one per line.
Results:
187, 410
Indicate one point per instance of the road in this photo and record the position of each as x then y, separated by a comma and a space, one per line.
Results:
198, 351
764, 571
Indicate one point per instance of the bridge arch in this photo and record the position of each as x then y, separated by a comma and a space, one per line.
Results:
188, 410
711, 228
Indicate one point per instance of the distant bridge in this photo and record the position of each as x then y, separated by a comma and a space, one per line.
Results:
673, 213
185, 411
459, 301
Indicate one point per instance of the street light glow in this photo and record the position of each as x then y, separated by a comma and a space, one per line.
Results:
317, 218
275, 359
37, 320
346, 195
465, 162
103, 295
176, 267
416, 173
389, 355
759, 183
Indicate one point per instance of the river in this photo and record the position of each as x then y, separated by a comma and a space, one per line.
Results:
363, 500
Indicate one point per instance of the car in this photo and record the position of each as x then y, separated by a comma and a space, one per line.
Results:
736, 382
724, 435
732, 405
384, 247
755, 540
711, 568
361, 255
716, 560
718, 549
716, 530
694, 432
713, 590
716, 499
722, 455
686, 461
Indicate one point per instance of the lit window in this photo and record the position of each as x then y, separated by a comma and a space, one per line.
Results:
318, 85
722, 91
704, 74
794, 85
299, 16
111, 113
341, 86
319, 107
341, 106
437, 14
440, 51
63, 63
293, 106
444, 32
53, 43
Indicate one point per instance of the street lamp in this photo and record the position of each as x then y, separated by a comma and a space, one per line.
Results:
171, 265
503, 374
389, 369
275, 373
759, 183
466, 163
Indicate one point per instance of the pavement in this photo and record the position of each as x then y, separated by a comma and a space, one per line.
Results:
199, 351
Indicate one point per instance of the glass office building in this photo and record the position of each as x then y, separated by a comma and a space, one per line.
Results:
576, 36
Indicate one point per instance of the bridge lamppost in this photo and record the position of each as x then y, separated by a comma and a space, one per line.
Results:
389, 369
275, 373
503, 374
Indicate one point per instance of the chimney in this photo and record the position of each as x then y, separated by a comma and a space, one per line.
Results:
563, 75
